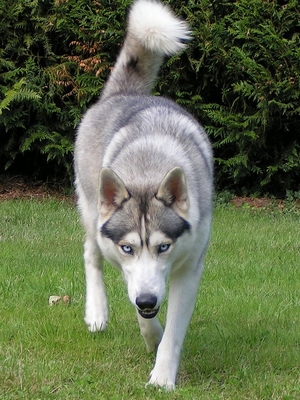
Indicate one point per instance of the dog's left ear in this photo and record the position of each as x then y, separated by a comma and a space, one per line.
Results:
112, 192
173, 191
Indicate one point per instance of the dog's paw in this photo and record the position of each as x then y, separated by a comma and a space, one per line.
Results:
96, 323
96, 326
160, 379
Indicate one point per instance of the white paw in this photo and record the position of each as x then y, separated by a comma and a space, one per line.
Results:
161, 379
96, 322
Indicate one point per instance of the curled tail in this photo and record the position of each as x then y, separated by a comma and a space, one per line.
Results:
153, 32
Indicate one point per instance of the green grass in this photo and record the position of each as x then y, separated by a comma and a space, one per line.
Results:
244, 337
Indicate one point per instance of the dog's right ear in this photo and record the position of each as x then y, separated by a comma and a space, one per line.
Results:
112, 192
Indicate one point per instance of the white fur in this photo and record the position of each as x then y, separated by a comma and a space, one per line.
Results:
156, 28
96, 308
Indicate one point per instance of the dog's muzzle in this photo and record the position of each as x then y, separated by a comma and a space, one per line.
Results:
146, 304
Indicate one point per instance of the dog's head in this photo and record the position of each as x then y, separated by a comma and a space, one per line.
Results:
141, 232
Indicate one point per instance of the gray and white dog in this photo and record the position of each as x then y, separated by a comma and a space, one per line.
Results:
144, 180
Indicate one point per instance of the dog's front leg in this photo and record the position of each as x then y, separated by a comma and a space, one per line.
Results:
151, 331
96, 308
182, 295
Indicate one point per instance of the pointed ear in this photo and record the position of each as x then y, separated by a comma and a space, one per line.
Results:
173, 191
112, 192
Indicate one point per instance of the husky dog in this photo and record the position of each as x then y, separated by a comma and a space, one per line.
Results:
144, 183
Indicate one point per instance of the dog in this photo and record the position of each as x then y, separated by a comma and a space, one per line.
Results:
144, 183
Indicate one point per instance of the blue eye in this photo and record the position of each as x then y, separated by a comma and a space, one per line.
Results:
127, 249
163, 248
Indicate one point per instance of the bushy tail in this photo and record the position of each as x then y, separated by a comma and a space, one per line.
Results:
153, 32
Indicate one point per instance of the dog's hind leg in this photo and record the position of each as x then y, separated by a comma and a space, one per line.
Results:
151, 331
182, 296
96, 308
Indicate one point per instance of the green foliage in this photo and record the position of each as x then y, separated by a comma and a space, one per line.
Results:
53, 64
240, 77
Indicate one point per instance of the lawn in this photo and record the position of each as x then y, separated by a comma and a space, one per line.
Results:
243, 341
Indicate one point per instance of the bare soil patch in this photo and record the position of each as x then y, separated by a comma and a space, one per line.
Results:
263, 202
20, 187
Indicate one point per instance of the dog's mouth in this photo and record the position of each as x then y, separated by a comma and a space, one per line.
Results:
148, 313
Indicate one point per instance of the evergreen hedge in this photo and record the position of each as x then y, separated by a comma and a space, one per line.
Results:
239, 77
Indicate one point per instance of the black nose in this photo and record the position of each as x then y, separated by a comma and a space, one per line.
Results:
146, 301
